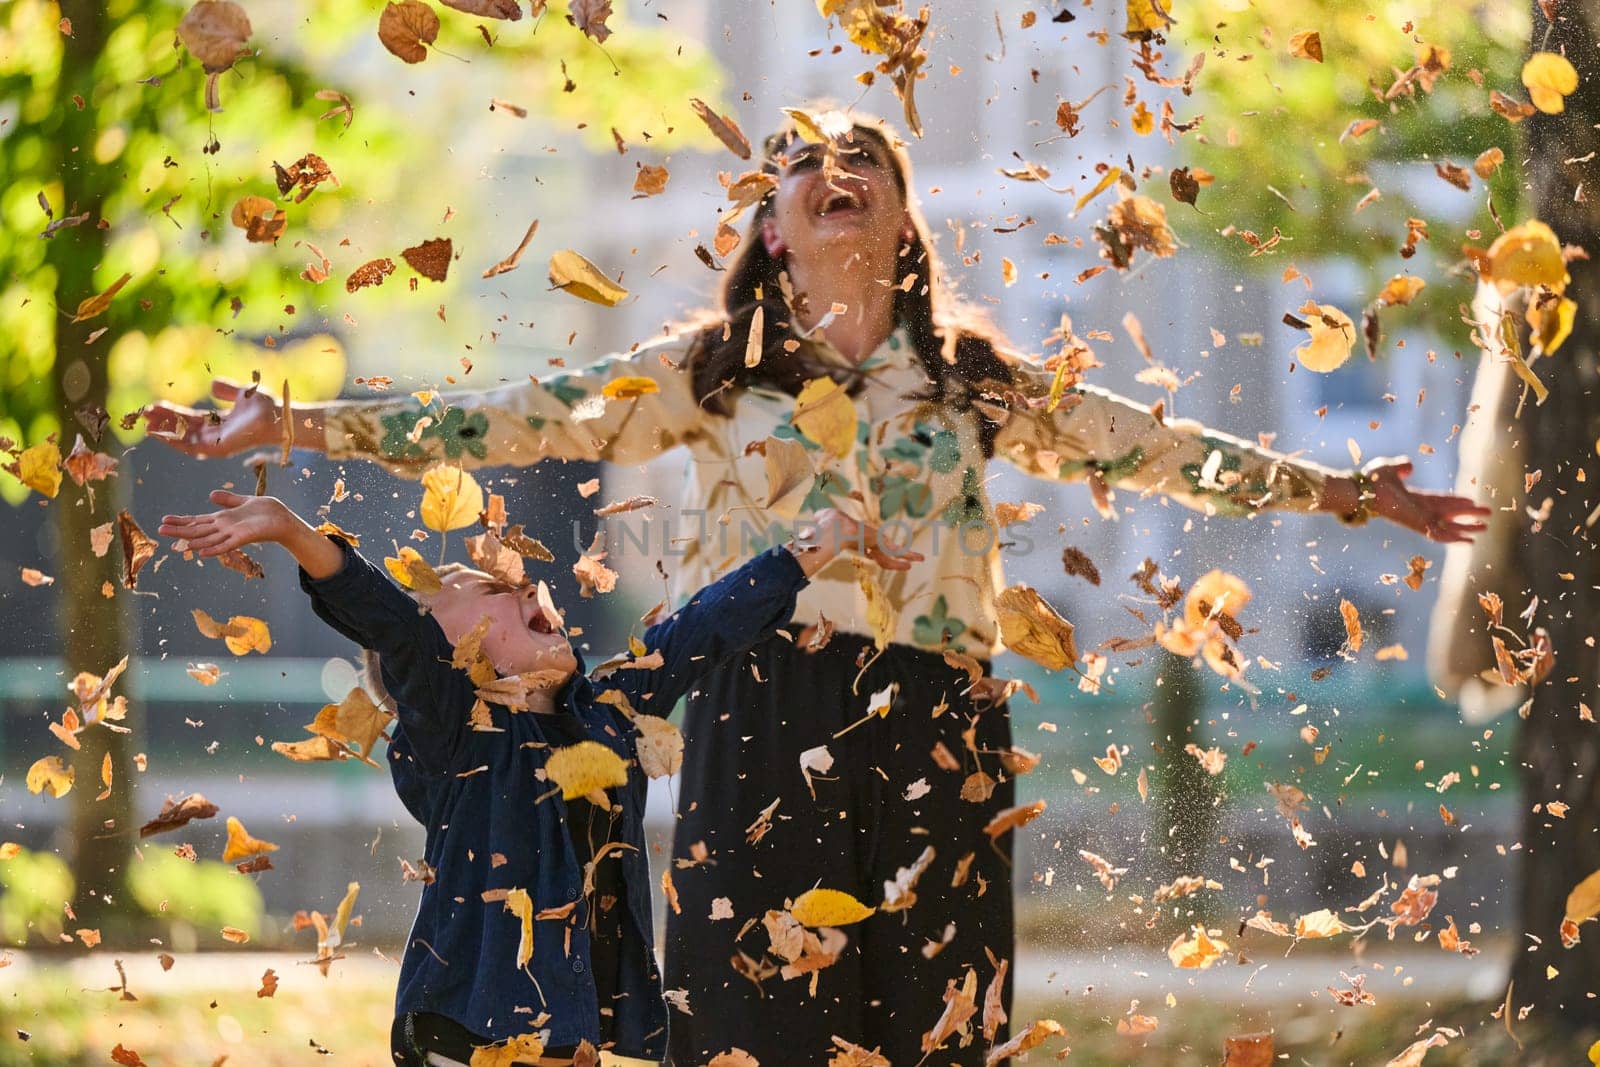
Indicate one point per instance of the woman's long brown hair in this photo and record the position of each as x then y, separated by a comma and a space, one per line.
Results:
926, 308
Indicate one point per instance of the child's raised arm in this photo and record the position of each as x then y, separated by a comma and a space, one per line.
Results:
248, 520
745, 607
356, 599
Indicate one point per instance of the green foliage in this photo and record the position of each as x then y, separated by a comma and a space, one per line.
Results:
201, 296
1273, 122
32, 887
205, 894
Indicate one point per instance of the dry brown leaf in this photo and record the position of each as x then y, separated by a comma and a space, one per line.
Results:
489, 9
176, 813
651, 180
431, 258
590, 17
215, 32
510, 262
406, 27
373, 272
137, 548
726, 130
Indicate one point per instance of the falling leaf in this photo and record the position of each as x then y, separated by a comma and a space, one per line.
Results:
262, 221
525, 1048
520, 904
824, 412
651, 180
412, 571
583, 768
1527, 255
86, 465
660, 746
630, 387
215, 32
726, 130
1135, 223
590, 17
241, 846
960, 1005
1035, 1034
1248, 1050
816, 760
241, 633
451, 498
1185, 189
36, 578
510, 262
1400, 290
490, 9
97, 304
176, 813
1352, 625
353, 725
789, 476
431, 258
127, 1057
1013, 818
50, 773
1550, 79
39, 468
1030, 627
372, 272
1488, 162
1583, 903
1197, 952
1333, 336
137, 548
1319, 924
828, 907
269, 984
405, 27
576, 275
1145, 18
1307, 44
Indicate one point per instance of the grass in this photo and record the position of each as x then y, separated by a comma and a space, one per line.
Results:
206, 1008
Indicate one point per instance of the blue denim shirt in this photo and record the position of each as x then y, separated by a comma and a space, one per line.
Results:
477, 795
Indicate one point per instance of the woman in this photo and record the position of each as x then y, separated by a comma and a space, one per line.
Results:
837, 279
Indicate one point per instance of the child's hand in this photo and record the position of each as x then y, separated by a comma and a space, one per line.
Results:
243, 520
832, 532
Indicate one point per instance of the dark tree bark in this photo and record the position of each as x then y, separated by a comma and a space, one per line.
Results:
94, 630
1558, 753
1186, 796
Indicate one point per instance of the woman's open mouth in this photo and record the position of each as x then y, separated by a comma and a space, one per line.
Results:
840, 202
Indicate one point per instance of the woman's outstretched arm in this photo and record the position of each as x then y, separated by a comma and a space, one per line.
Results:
1098, 436
621, 409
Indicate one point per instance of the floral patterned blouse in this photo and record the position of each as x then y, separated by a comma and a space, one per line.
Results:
915, 467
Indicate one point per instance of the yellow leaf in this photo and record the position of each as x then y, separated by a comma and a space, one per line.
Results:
50, 773
805, 124
241, 845
1321, 923
39, 468
341, 918
585, 767
1216, 592
1550, 80
1552, 327
1101, 186
570, 271
1146, 17
1582, 903
1197, 952
1307, 44
520, 904
1032, 628
9, 850
94, 305
1400, 290
1143, 121
1332, 337
241, 633
1528, 254
451, 498
825, 413
626, 388
355, 723
412, 571
828, 907
522, 1049
882, 615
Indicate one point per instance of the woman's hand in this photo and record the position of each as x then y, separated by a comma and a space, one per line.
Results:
831, 532
1440, 517
255, 421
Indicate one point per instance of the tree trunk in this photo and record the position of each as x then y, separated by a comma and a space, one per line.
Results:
94, 627
1186, 799
1558, 753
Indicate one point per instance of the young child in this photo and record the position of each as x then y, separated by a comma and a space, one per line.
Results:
496, 826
